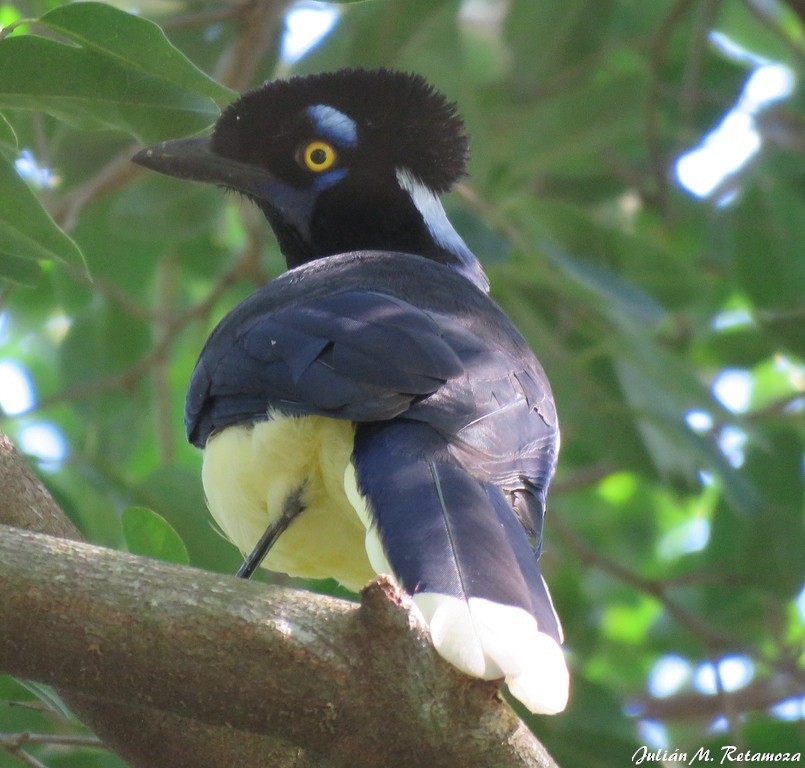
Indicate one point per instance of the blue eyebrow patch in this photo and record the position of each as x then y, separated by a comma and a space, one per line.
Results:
334, 125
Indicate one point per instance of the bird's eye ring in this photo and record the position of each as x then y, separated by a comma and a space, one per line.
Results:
318, 156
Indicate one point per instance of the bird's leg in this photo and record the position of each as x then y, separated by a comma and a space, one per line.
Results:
290, 509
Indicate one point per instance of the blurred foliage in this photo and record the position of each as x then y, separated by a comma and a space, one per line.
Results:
676, 528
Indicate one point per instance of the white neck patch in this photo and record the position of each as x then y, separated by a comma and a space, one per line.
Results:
440, 228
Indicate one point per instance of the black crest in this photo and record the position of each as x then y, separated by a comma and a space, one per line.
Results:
397, 114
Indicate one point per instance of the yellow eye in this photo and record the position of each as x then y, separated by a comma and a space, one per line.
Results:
318, 156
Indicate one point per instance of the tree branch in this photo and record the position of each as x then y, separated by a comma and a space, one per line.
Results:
691, 705
181, 667
146, 738
24, 502
651, 121
171, 327
709, 636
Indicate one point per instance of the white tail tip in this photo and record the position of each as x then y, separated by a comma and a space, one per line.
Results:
490, 640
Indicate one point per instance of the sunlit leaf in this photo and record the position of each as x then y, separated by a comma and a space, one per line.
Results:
150, 535
118, 71
88, 90
739, 24
134, 43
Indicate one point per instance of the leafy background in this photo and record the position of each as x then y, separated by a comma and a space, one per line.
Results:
670, 323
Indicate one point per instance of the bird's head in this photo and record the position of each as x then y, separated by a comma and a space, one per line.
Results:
341, 161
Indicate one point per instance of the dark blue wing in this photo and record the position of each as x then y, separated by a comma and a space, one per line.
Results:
351, 354
402, 338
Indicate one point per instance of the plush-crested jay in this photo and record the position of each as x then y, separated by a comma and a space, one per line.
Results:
372, 410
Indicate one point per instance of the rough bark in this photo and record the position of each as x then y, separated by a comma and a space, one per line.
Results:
173, 666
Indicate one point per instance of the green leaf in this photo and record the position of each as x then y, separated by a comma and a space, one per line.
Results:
8, 136
117, 71
768, 229
765, 242
552, 35
16, 270
134, 43
47, 696
776, 540
357, 40
8, 15
661, 390
27, 232
621, 300
549, 136
778, 37
765, 734
90, 91
150, 535
176, 493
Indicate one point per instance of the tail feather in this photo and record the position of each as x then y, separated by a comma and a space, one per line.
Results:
454, 543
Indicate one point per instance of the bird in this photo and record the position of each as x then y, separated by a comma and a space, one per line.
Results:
372, 410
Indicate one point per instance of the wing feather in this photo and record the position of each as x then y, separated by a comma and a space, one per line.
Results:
354, 354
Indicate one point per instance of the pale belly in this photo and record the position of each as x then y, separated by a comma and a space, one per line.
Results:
248, 473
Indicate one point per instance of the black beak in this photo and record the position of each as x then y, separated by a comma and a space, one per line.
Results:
194, 159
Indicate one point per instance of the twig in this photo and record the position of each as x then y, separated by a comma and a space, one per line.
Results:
711, 638
128, 378
727, 703
703, 23
582, 478
756, 695
22, 756
768, 19
260, 25
651, 132
783, 661
111, 290
776, 407
203, 18
258, 20
19, 740
493, 215
163, 334
114, 174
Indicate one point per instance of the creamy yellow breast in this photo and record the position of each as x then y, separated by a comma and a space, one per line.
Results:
248, 473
